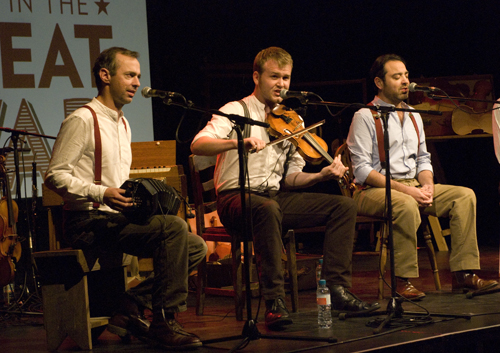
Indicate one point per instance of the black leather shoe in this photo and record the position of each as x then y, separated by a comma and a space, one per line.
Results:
277, 314
345, 301
128, 320
170, 335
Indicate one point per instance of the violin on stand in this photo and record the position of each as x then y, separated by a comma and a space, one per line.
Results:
10, 247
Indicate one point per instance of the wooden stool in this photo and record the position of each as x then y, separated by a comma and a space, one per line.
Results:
65, 298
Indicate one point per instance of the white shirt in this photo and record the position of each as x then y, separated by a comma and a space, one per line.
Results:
71, 168
265, 167
408, 156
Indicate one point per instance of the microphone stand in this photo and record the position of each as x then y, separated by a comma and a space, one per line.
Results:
250, 330
394, 308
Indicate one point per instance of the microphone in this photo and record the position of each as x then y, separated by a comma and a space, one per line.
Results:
285, 94
148, 92
414, 87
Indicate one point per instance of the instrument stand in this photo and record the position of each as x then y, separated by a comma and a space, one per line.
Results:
20, 303
250, 331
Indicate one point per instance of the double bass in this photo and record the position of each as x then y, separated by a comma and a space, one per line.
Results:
10, 247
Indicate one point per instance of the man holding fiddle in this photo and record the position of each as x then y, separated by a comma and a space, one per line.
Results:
273, 172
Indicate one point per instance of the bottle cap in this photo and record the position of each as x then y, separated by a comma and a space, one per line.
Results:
322, 282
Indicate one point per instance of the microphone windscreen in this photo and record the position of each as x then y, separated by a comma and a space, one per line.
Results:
145, 92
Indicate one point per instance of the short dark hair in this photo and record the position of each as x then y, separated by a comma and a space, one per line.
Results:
281, 56
107, 60
378, 67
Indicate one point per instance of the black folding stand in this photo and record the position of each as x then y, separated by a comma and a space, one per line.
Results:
20, 302
394, 309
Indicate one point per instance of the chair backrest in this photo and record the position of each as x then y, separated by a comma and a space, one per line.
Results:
201, 169
347, 185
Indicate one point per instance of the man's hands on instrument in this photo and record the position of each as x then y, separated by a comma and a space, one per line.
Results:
336, 170
113, 197
253, 144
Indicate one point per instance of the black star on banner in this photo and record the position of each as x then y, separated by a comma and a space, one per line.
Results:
102, 6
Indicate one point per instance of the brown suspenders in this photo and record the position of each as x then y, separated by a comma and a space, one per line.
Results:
380, 134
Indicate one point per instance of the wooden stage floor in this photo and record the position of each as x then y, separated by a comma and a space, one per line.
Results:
459, 324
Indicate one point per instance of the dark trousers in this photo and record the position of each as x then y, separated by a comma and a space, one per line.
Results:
105, 236
274, 213
197, 250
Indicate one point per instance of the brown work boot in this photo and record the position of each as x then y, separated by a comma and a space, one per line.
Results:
408, 290
170, 335
128, 320
464, 281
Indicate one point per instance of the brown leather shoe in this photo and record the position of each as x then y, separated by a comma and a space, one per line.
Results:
170, 335
408, 291
128, 320
277, 314
467, 281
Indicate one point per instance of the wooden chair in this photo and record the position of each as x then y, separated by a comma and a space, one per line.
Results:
201, 171
348, 188
65, 293
77, 300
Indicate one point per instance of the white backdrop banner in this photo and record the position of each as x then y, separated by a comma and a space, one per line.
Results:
47, 50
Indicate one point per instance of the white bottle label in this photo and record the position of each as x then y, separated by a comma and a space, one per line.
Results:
323, 299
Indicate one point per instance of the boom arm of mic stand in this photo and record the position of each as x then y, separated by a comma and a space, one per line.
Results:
378, 108
237, 119
438, 97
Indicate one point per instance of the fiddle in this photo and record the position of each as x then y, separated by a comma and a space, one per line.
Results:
10, 247
284, 121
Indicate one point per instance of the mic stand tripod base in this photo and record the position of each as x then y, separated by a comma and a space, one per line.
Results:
394, 310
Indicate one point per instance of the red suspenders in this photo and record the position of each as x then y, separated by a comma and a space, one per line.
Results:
98, 149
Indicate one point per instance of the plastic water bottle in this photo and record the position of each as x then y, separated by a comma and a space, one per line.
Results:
318, 271
324, 305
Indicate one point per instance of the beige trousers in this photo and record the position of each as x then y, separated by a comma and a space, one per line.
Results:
454, 202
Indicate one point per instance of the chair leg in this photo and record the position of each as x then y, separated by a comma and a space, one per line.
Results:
238, 268
292, 269
438, 233
432, 255
201, 284
381, 272
382, 247
66, 313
